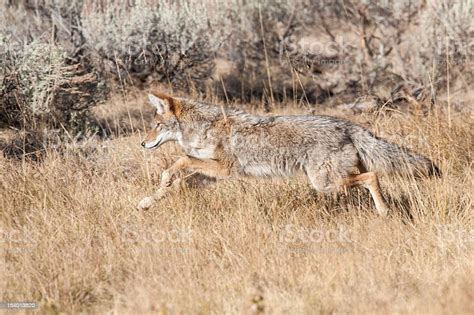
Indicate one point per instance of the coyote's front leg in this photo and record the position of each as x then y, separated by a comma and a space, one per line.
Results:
211, 168
147, 202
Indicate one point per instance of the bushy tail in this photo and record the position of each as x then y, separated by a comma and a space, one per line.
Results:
385, 157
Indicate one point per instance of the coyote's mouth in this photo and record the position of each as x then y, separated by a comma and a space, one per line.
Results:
156, 145
153, 146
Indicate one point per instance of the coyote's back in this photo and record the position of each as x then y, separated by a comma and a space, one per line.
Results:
283, 144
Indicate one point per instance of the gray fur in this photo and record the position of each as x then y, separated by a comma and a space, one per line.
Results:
325, 146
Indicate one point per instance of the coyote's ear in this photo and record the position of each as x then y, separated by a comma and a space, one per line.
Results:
161, 105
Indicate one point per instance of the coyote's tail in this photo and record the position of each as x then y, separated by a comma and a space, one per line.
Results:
379, 155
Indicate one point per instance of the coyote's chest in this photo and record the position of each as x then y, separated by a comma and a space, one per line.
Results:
199, 149
201, 153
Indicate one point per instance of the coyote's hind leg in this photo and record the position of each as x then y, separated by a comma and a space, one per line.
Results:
370, 181
322, 181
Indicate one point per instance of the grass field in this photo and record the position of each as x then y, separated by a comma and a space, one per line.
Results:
74, 241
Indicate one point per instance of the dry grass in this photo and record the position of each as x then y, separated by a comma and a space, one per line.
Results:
73, 240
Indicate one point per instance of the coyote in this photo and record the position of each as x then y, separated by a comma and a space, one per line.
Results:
333, 153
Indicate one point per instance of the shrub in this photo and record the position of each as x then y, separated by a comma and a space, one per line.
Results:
393, 43
445, 37
170, 42
261, 33
341, 48
272, 49
39, 90
24, 21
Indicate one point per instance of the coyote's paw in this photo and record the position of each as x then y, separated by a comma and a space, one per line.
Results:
383, 211
146, 203
165, 179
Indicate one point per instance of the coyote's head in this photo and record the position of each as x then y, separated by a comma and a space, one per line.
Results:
165, 123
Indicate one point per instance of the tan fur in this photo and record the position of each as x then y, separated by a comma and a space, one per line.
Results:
175, 105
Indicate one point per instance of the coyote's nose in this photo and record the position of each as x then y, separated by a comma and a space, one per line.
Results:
143, 144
